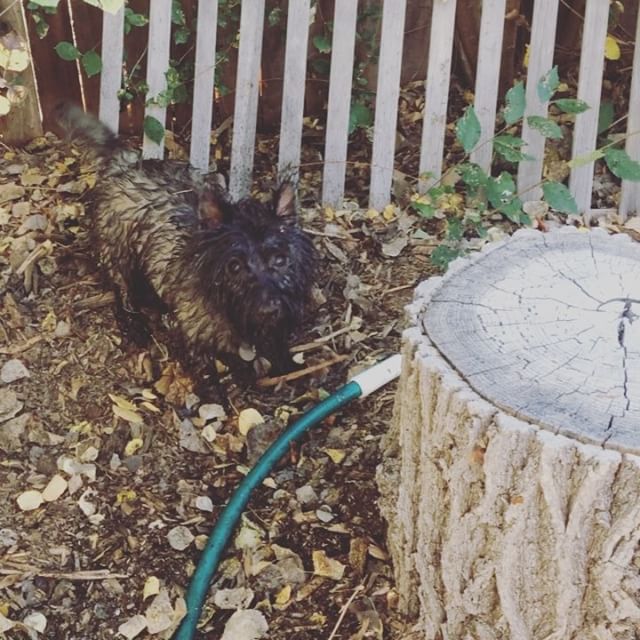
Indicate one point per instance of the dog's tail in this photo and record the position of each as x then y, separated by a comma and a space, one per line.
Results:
95, 140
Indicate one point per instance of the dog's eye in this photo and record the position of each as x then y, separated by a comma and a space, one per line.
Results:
234, 266
279, 260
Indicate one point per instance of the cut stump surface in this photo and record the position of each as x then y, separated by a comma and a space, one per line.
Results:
511, 475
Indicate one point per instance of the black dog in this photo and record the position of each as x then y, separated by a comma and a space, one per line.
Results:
231, 274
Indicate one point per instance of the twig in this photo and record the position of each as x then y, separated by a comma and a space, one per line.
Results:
24, 346
294, 375
343, 611
96, 574
320, 341
400, 288
95, 302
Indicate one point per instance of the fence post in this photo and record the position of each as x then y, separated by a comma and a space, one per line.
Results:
295, 65
203, 81
111, 76
630, 196
157, 65
437, 92
387, 94
246, 107
340, 79
589, 88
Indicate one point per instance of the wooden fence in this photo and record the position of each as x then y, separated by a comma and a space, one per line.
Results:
437, 92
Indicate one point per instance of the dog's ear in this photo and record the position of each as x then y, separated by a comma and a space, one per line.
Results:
285, 202
211, 208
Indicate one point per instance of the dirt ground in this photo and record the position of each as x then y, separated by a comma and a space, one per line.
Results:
112, 473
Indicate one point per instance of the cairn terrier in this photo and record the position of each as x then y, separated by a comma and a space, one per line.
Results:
231, 275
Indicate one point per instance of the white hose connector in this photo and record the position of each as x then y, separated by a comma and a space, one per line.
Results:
377, 376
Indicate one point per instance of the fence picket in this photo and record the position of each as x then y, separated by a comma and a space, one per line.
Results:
543, 36
295, 66
340, 78
589, 88
157, 65
203, 83
630, 196
437, 91
111, 76
387, 94
246, 107
488, 78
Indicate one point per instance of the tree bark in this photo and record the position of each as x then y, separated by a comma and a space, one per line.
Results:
511, 473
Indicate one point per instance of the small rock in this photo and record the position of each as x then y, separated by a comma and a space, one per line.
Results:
8, 537
30, 500
62, 329
239, 598
180, 538
324, 514
248, 624
204, 503
13, 370
212, 412
306, 495
133, 627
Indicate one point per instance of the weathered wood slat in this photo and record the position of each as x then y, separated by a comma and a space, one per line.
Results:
203, 83
589, 88
111, 76
157, 65
295, 66
543, 35
388, 91
437, 91
340, 78
630, 196
246, 107
488, 78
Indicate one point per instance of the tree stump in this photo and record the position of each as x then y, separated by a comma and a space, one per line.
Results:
511, 475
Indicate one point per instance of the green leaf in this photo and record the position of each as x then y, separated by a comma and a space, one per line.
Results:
67, 51
153, 129
46, 3
321, 66
275, 16
558, 197
425, 209
133, 19
468, 129
548, 84
548, 128
177, 14
515, 99
91, 63
473, 175
587, 158
443, 255
513, 210
509, 148
42, 28
322, 43
621, 165
605, 116
569, 105
500, 190
454, 229
359, 116
181, 35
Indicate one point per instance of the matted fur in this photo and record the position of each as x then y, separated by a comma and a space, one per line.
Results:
228, 273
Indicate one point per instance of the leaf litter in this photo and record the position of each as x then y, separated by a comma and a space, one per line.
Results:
125, 470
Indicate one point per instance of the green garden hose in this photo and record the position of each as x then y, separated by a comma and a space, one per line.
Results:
359, 387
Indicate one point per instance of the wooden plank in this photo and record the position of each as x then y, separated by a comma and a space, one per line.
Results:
488, 78
437, 92
388, 92
295, 66
340, 78
157, 65
543, 36
246, 107
111, 77
630, 196
589, 88
203, 83
23, 121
